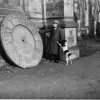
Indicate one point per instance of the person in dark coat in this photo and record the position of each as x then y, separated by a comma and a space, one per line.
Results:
56, 34
44, 32
98, 29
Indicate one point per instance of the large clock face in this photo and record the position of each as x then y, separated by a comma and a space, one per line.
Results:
21, 41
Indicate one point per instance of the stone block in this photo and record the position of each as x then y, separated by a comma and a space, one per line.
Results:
70, 36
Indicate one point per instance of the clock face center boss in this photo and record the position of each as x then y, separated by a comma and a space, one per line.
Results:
21, 41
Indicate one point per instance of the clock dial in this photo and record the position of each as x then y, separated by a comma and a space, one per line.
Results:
21, 41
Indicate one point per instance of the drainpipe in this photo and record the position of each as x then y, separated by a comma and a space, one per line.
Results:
44, 12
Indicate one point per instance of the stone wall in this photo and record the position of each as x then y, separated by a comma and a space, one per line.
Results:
54, 8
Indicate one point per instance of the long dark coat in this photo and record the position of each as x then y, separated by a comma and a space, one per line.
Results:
98, 29
43, 32
56, 35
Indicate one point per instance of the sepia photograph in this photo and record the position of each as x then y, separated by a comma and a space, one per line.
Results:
49, 49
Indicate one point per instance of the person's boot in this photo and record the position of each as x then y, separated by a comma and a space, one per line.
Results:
56, 59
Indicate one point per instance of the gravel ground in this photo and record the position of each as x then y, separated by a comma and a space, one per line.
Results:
81, 80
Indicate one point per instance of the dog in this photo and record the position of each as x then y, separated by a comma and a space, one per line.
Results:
64, 46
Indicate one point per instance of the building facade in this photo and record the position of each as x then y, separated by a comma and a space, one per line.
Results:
44, 12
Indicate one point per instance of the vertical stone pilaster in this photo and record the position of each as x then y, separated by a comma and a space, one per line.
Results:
34, 11
25, 4
70, 28
68, 8
87, 13
21, 2
96, 13
44, 12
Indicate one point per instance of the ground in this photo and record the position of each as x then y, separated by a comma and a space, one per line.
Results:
81, 80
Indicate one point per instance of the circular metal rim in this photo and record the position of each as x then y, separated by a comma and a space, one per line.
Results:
30, 28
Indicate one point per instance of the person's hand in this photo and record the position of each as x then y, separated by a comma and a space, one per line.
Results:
58, 43
48, 34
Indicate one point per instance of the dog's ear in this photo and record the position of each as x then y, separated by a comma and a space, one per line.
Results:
60, 42
65, 40
63, 43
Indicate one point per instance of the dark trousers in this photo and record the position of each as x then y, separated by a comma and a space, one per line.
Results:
54, 57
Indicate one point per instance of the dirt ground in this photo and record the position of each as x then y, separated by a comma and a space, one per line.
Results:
81, 80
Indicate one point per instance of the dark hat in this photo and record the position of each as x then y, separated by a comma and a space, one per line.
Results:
56, 22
